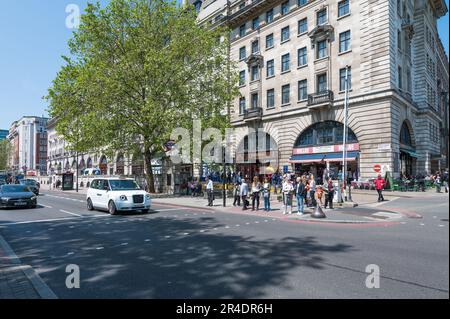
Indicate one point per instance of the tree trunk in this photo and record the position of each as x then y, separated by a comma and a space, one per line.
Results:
149, 171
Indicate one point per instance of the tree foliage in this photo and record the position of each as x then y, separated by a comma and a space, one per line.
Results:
5, 148
137, 70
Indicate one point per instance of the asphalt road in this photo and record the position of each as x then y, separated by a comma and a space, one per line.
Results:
178, 252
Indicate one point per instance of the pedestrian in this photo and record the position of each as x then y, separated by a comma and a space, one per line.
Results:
329, 193
445, 180
275, 182
244, 194
312, 190
210, 190
379, 186
300, 194
266, 194
287, 189
319, 193
237, 194
256, 189
437, 182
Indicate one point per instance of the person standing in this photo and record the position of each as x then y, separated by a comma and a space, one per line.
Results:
329, 193
244, 194
300, 194
312, 190
256, 189
237, 194
379, 186
445, 180
266, 194
287, 189
437, 182
210, 190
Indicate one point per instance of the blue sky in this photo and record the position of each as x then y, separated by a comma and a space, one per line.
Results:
33, 37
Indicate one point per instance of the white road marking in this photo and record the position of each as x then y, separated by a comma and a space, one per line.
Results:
123, 244
422, 224
166, 209
46, 206
147, 240
441, 225
99, 248
70, 213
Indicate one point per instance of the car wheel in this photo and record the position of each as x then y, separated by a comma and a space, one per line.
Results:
112, 209
89, 204
146, 211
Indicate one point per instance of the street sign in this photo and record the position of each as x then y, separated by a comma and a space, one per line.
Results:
377, 168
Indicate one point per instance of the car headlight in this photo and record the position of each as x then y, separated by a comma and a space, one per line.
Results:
147, 196
5, 199
33, 197
123, 198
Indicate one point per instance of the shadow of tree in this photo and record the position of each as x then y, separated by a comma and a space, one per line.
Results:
162, 257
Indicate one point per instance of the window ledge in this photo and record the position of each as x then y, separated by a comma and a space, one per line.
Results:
242, 85
302, 66
343, 91
270, 77
321, 59
284, 72
303, 33
345, 52
285, 104
267, 49
282, 42
270, 108
254, 81
303, 100
344, 16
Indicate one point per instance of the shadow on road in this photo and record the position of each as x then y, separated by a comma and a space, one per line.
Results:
162, 257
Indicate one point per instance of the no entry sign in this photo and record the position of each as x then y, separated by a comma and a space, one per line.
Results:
377, 168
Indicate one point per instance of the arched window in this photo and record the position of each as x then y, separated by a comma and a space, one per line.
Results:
103, 165
325, 133
405, 135
89, 163
120, 164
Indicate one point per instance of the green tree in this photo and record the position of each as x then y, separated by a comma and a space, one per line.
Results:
138, 69
5, 148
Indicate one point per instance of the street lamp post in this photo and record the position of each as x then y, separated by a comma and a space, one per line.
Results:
344, 138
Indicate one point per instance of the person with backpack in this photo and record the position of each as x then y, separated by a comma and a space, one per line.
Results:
379, 186
300, 194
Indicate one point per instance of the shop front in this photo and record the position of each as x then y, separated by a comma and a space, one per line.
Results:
319, 151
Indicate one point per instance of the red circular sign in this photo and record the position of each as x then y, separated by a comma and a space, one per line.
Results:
377, 168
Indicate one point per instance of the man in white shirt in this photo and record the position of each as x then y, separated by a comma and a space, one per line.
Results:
244, 193
210, 190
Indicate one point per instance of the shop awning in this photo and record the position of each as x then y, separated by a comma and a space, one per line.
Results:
409, 152
322, 157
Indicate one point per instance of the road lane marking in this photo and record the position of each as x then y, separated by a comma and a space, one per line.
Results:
66, 212
46, 206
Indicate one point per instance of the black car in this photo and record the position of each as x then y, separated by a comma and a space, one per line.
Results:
17, 196
32, 184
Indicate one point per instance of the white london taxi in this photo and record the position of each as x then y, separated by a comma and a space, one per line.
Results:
116, 194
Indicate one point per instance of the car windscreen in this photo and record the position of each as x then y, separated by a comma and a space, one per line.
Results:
28, 182
117, 185
15, 189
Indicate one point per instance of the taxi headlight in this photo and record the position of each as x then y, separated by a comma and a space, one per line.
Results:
123, 198
33, 197
147, 196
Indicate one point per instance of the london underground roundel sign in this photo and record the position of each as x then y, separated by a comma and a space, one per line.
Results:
377, 168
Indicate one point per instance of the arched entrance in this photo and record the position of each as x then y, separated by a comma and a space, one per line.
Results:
318, 150
103, 165
408, 154
257, 155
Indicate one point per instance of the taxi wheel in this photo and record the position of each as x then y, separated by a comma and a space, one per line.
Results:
89, 204
112, 209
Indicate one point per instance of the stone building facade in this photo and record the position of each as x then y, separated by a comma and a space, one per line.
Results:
293, 56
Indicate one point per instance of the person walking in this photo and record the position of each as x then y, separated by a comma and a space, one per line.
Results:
287, 189
437, 182
266, 194
379, 186
244, 193
312, 190
329, 193
256, 189
445, 180
210, 190
300, 194
237, 194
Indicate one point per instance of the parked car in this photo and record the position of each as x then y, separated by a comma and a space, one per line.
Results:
117, 194
14, 195
32, 184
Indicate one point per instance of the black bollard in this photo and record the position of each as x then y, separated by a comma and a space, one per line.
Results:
318, 213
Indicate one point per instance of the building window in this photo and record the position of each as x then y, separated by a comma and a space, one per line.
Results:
269, 16
254, 73
284, 34
408, 80
254, 100
285, 92
242, 105
285, 63
255, 23
255, 47
302, 57
269, 41
270, 98
270, 68
399, 39
241, 78
322, 17
242, 53
322, 83
344, 41
302, 90
322, 49
303, 26
343, 8
242, 30
197, 6
400, 82
285, 8
242, 6
301, 3
342, 79
399, 8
